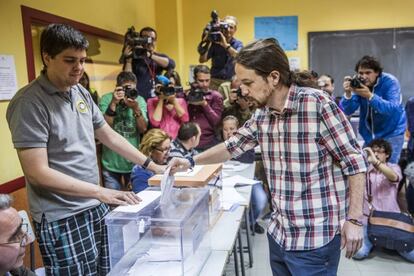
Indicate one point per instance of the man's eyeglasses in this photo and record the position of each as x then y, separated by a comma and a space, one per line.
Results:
21, 236
163, 150
378, 150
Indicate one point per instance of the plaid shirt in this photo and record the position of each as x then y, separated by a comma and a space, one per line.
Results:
308, 150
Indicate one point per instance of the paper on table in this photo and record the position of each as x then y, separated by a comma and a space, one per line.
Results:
237, 179
230, 195
146, 196
190, 172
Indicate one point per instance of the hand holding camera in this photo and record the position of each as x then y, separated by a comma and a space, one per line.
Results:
165, 90
356, 84
118, 95
196, 96
222, 42
138, 46
214, 32
125, 95
372, 159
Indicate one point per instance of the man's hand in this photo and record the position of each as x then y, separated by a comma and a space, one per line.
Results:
347, 86
363, 91
118, 95
351, 238
223, 42
127, 51
131, 103
179, 165
371, 155
115, 197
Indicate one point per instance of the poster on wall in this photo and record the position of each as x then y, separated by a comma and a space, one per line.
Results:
8, 79
294, 63
283, 28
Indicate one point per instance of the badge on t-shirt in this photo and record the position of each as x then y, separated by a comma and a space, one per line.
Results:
81, 106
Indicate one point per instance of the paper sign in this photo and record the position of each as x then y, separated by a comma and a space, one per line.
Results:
8, 79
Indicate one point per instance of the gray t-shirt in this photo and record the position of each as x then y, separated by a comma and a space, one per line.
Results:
40, 116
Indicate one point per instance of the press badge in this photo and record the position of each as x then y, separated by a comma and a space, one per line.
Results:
81, 106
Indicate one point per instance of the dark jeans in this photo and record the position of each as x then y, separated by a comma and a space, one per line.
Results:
113, 180
319, 261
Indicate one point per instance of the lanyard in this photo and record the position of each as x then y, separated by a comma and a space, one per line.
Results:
151, 69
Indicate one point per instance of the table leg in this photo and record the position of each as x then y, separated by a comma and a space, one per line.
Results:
249, 245
241, 253
236, 261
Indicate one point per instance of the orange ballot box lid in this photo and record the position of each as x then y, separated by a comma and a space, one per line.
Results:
199, 176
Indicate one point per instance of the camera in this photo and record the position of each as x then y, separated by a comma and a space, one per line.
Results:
137, 43
239, 93
195, 95
356, 82
130, 92
215, 27
212, 31
170, 90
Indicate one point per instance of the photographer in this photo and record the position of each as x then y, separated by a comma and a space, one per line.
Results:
219, 45
239, 106
383, 179
326, 84
166, 111
126, 113
139, 57
205, 107
378, 97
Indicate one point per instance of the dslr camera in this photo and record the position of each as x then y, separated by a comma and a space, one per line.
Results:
356, 81
137, 43
212, 31
170, 90
215, 27
130, 92
195, 95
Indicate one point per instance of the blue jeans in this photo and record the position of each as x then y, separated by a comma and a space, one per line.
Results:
113, 180
367, 246
319, 261
259, 201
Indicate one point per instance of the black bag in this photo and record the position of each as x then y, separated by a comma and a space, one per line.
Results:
390, 230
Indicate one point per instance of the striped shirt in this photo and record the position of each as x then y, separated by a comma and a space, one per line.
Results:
308, 150
178, 150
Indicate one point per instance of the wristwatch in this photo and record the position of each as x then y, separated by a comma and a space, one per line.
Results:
146, 163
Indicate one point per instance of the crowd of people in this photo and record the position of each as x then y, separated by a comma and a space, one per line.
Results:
315, 168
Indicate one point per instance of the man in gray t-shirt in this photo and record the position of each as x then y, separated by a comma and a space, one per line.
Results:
54, 123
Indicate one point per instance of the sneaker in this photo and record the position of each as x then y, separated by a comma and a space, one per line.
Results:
257, 228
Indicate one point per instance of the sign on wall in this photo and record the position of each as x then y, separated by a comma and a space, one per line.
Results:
283, 28
8, 79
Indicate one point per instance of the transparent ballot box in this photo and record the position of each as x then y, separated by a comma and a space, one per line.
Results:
171, 239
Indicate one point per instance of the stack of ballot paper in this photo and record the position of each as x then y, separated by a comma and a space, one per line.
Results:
238, 181
230, 197
146, 198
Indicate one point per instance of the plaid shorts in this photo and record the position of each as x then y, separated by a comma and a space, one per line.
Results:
77, 245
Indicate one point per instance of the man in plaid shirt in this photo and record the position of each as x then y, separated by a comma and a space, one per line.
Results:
311, 158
